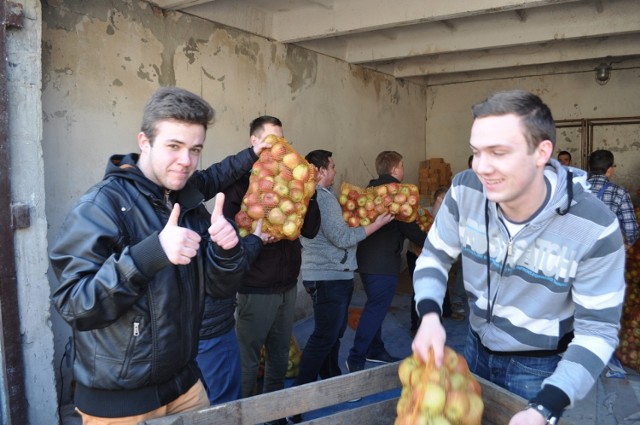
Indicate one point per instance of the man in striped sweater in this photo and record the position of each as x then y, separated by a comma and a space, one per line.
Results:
542, 258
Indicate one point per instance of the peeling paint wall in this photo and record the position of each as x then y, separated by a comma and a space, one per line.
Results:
101, 60
570, 97
28, 187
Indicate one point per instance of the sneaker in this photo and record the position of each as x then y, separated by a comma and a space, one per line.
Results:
352, 367
383, 358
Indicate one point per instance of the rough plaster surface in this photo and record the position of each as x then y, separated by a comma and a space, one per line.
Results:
101, 60
27, 182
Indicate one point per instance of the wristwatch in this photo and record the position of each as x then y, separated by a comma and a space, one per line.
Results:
546, 413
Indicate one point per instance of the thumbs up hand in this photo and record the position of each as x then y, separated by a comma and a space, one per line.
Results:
221, 231
179, 243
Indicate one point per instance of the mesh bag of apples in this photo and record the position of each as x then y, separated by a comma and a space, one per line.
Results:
424, 219
628, 351
361, 206
448, 395
280, 186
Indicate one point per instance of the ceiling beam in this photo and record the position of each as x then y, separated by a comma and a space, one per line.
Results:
549, 53
355, 16
492, 31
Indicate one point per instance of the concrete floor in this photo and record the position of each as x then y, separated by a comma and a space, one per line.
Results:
612, 401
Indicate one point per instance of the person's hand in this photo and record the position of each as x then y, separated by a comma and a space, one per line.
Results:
261, 144
384, 218
179, 243
527, 417
431, 334
265, 237
221, 231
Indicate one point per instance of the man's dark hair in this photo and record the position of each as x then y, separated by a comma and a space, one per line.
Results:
599, 162
441, 191
174, 103
319, 158
564, 153
386, 160
257, 124
536, 117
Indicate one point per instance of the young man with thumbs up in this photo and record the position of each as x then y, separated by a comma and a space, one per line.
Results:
134, 259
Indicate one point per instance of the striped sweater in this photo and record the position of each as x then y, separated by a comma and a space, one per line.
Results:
560, 273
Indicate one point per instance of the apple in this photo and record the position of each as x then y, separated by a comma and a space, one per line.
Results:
281, 189
457, 381
296, 195
394, 208
296, 184
362, 212
310, 188
342, 199
354, 221
456, 406
434, 398
369, 205
371, 215
387, 200
291, 160
278, 151
440, 420
378, 200
269, 199
406, 210
400, 198
255, 211
405, 190
413, 200
265, 183
290, 229
450, 359
353, 194
364, 221
287, 206
276, 216
301, 208
242, 219
361, 201
301, 172
346, 215
476, 408
272, 166
381, 190
350, 205
285, 174
393, 188
251, 199
380, 209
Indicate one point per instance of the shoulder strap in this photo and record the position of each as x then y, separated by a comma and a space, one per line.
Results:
602, 189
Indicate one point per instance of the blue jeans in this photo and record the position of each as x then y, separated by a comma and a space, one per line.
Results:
219, 362
522, 375
380, 290
331, 299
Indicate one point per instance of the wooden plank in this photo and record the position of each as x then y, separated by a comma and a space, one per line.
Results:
291, 401
500, 404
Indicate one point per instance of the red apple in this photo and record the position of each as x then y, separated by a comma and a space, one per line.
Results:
255, 211
405, 210
296, 184
269, 199
354, 221
272, 166
393, 188
413, 200
278, 151
287, 206
400, 198
350, 205
243, 220
265, 183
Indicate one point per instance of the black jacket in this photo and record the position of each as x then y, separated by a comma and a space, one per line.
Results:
277, 267
134, 315
380, 252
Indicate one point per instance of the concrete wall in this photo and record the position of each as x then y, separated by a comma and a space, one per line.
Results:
101, 60
570, 97
27, 181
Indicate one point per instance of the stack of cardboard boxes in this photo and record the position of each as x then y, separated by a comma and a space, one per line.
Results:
433, 173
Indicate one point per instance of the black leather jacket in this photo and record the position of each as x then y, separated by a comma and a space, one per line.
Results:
134, 315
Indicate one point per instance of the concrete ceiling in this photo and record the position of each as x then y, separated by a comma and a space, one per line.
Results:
443, 41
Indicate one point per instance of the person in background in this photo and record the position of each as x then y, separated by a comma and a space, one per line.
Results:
379, 258
328, 265
543, 262
412, 254
564, 157
601, 169
267, 295
218, 351
134, 257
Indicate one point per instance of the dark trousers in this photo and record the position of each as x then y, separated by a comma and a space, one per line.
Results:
380, 290
331, 299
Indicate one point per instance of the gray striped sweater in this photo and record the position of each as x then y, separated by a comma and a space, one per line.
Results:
557, 274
